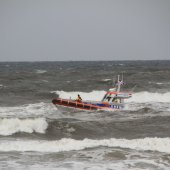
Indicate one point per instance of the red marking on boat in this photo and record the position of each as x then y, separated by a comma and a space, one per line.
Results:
79, 105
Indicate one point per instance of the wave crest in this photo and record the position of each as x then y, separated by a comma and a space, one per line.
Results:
14, 125
65, 144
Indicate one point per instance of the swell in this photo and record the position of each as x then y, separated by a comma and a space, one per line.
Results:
137, 128
78, 129
35, 80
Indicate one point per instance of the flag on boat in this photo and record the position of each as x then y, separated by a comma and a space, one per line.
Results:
120, 83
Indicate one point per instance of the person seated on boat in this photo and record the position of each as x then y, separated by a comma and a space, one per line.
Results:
79, 99
109, 97
115, 100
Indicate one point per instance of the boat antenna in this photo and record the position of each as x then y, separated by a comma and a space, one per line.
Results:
122, 76
118, 83
113, 81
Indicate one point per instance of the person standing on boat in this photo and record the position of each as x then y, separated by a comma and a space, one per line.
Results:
79, 99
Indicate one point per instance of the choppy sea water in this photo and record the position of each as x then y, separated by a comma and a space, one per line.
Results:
34, 134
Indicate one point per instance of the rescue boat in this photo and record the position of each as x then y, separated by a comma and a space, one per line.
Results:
112, 100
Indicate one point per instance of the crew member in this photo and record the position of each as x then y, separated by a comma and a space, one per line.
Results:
79, 99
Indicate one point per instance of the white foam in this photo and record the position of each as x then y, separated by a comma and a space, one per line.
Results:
143, 97
36, 109
106, 80
159, 83
41, 71
14, 125
150, 144
2, 86
88, 165
94, 95
140, 97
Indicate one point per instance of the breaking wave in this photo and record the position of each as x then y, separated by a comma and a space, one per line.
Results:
94, 95
9, 126
140, 97
66, 144
143, 97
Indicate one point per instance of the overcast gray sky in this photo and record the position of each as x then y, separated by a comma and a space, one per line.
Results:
38, 30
